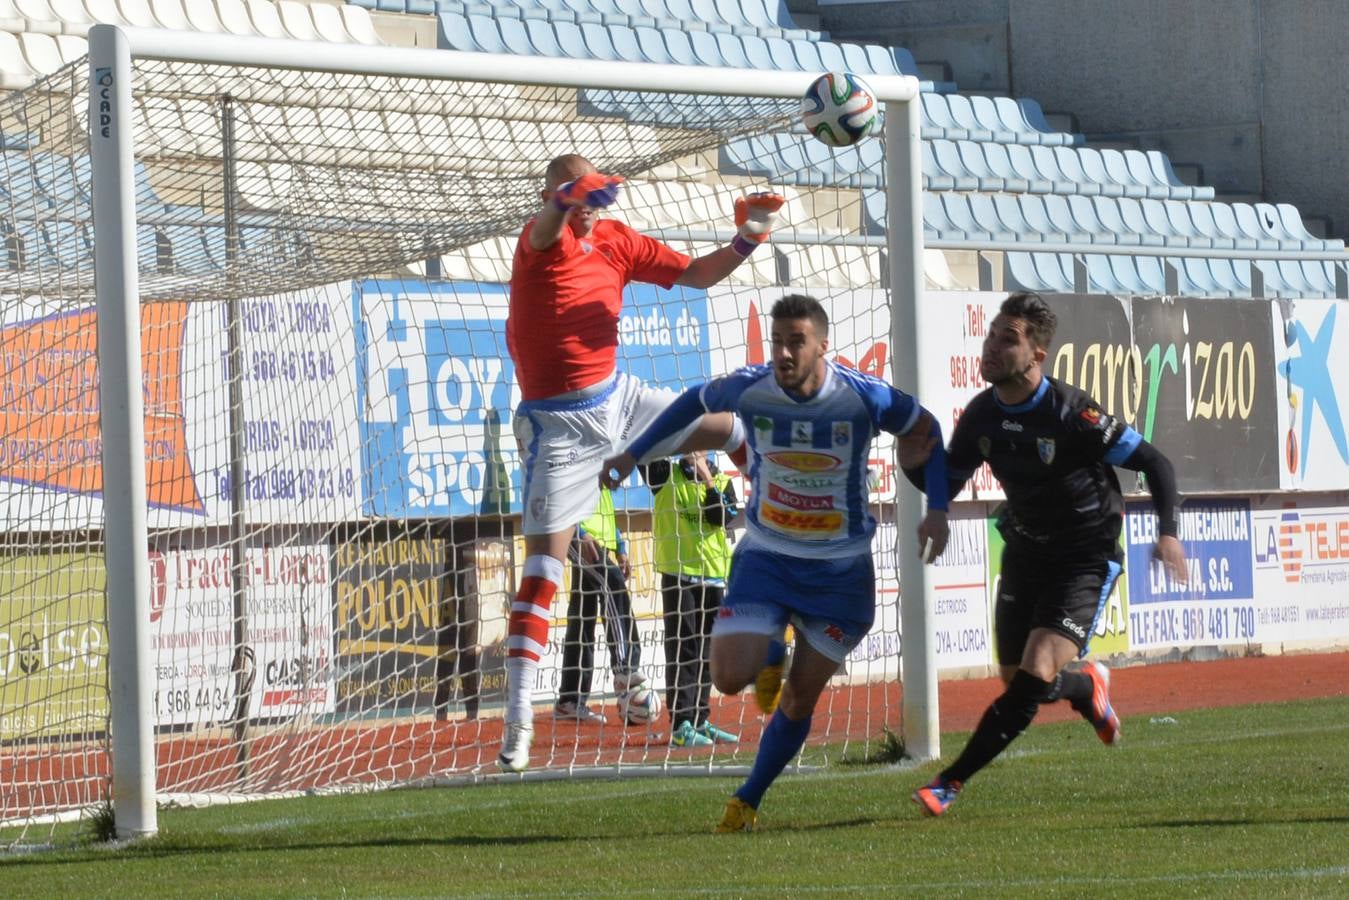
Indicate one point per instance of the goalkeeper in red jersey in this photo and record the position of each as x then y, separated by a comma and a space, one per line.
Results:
577, 409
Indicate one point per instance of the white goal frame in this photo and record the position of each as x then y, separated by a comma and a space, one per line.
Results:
111, 50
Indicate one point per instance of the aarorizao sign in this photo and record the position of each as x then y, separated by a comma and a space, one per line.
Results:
1196, 377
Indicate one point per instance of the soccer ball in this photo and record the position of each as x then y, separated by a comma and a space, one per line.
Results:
839, 109
639, 706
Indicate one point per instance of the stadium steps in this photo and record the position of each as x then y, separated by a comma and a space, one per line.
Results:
37, 37
963, 166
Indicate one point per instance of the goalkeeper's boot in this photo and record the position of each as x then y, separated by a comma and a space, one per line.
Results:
717, 735
515, 747
1101, 714
935, 797
739, 816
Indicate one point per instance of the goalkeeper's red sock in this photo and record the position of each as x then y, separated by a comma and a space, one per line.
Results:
527, 633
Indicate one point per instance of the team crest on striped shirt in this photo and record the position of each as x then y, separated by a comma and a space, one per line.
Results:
842, 434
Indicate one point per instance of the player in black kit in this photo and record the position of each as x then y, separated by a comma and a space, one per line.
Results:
1053, 449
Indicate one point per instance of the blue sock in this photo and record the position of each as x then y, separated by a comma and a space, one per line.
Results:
781, 741
777, 652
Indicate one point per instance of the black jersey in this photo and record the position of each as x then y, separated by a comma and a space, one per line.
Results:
1054, 455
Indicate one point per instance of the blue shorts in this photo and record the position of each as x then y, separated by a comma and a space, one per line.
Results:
831, 602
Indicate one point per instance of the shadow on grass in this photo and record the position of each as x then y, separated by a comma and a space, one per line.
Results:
1242, 823
157, 849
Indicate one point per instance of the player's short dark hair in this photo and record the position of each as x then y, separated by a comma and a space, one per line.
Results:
1032, 308
799, 306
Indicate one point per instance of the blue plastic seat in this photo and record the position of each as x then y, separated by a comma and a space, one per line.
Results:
1052, 271
978, 216
1224, 224
1117, 170
784, 55
1073, 173
571, 40
1182, 222
677, 45
1131, 213
1009, 216
1000, 167
962, 113
485, 36
986, 113
1062, 221
597, 42
1040, 166
947, 157
936, 223
1092, 167
1088, 220
756, 51
624, 41
1252, 226
732, 51
937, 113
543, 37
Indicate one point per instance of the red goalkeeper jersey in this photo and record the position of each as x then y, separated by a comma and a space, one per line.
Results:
562, 332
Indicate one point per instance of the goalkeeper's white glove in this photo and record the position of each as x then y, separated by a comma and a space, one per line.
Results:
754, 218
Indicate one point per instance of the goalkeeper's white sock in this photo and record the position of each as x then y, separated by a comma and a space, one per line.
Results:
521, 672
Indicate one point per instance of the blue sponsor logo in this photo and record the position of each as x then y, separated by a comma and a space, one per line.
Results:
1217, 540
437, 391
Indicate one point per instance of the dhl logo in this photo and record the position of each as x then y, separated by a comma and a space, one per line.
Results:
804, 460
49, 405
801, 522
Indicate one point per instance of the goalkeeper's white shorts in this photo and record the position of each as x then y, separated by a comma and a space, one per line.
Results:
565, 440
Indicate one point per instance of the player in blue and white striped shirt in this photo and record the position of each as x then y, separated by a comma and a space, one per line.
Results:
806, 555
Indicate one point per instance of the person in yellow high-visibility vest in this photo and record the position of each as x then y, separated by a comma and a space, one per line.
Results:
693, 504
599, 557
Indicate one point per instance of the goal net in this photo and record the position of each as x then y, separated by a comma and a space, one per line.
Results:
332, 484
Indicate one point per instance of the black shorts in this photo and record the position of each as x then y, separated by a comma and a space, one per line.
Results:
1062, 592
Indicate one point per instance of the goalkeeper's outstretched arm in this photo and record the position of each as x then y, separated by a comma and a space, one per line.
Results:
754, 218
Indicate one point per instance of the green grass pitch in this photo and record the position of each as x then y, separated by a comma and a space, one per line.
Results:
1245, 801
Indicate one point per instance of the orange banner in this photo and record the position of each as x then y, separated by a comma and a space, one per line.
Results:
49, 405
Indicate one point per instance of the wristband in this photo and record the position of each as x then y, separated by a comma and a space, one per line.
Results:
742, 247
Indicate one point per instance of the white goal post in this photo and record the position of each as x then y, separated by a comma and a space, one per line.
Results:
128, 586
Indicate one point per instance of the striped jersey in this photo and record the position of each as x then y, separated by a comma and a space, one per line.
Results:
808, 458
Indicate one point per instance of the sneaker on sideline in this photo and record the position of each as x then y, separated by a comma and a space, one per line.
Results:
717, 735
687, 736
577, 712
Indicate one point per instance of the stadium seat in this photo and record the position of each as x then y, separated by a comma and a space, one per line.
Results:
35, 16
